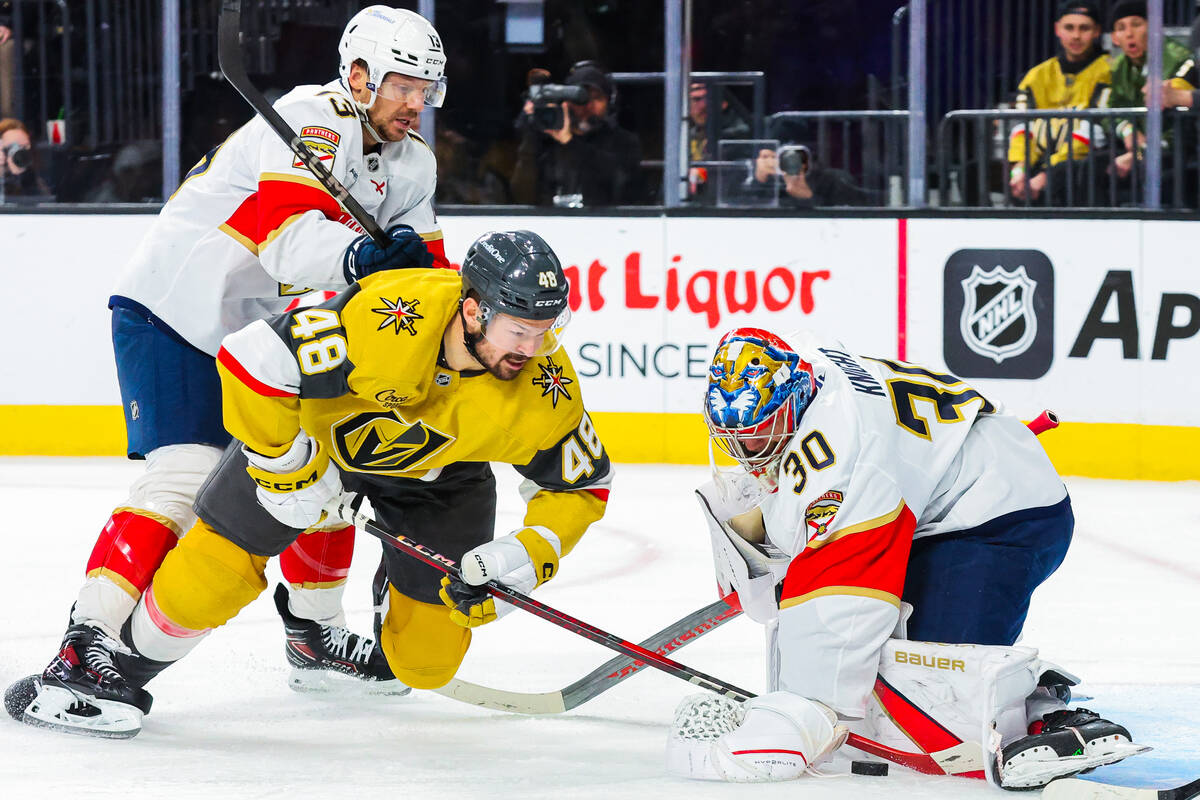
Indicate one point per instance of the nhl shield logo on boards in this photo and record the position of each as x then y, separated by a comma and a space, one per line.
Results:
997, 318
998, 314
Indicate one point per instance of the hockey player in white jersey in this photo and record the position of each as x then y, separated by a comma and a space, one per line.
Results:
879, 508
248, 232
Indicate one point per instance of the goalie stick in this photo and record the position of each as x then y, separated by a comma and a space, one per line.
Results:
340, 509
1077, 789
673, 637
233, 67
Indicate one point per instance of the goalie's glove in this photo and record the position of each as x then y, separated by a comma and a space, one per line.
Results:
523, 561
294, 487
403, 251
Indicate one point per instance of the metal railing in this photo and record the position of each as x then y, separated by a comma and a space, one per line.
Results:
973, 166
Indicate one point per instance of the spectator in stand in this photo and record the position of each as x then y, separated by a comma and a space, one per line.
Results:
7, 45
1073, 79
18, 176
799, 182
1130, 32
588, 161
729, 126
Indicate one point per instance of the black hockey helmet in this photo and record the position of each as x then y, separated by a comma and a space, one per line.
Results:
515, 273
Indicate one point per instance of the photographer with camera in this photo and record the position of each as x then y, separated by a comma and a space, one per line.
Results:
572, 152
18, 177
800, 182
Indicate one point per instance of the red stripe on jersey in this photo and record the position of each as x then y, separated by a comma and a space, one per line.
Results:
226, 359
318, 557
132, 546
876, 558
602, 494
925, 732
165, 623
280, 200
437, 248
244, 221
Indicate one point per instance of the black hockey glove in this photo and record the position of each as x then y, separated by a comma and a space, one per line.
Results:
470, 606
405, 251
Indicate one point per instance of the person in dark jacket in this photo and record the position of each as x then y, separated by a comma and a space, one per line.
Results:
589, 161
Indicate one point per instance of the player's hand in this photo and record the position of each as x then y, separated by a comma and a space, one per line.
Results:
294, 487
563, 134
522, 561
406, 250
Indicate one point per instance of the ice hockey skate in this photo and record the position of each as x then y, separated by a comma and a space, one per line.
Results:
82, 691
330, 658
1064, 743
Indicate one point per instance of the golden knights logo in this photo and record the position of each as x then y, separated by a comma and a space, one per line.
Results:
998, 320
386, 443
399, 315
820, 513
552, 381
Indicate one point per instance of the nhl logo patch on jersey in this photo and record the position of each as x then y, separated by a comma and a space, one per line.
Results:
552, 381
820, 513
998, 313
322, 142
373, 162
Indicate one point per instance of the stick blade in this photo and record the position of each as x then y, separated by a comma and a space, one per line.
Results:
1078, 789
500, 700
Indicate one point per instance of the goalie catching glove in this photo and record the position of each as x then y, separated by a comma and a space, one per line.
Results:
294, 487
523, 561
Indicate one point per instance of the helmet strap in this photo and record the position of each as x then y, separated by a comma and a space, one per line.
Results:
362, 108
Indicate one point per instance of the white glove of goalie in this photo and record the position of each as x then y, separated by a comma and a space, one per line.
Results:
740, 565
294, 487
523, 561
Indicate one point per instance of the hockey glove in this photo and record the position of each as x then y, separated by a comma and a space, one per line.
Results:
406, 250
522, 560
294, 487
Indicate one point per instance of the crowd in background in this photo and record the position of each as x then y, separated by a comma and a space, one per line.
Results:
549, 125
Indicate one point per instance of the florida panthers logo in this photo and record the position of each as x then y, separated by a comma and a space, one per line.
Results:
552, 381
385, 443
820, 513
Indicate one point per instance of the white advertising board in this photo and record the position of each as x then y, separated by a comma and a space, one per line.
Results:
1096, 319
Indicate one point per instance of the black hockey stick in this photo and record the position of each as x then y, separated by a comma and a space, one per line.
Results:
921, 762
233, 67
1076, 789
673, 637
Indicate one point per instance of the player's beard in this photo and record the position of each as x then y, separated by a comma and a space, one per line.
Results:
382, 123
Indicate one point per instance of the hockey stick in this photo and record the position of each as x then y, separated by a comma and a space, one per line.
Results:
1045, 421
1076, 789
673, 637
340, 509
233, 67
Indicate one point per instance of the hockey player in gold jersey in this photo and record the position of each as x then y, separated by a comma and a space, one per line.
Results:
401, 388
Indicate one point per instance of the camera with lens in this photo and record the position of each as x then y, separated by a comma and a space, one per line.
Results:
547, 101
794, 159
18, 155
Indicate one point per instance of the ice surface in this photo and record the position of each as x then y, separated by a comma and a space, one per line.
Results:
1121, 612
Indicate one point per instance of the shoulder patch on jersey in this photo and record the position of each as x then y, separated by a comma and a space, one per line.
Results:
323, 142
820, 513
552, 381
399, 315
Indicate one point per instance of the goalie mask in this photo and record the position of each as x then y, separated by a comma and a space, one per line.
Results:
758, 388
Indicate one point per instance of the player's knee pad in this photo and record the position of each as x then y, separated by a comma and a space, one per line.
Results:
949, 698
170, 482
207, 580
423, 647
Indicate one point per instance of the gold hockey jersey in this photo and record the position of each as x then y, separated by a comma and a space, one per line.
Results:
1049, 86
361, 374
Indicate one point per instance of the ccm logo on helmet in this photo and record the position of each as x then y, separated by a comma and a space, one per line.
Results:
546, 303
495, 253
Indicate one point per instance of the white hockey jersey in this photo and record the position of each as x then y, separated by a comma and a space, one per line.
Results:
887, 452
249, 229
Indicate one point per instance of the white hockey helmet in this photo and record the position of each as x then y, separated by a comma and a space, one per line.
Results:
394, 40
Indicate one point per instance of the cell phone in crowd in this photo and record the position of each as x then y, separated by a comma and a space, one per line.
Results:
794, 159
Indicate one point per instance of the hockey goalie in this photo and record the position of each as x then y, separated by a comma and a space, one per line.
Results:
888, 524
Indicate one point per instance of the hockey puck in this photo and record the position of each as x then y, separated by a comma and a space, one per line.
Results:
868, 768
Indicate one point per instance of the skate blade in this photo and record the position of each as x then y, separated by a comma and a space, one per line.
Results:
326, 682
1032, 774
59, 709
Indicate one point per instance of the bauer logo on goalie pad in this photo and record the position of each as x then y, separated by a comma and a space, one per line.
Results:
820, 513
322, 142
998, 313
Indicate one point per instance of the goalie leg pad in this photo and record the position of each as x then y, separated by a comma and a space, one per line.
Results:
423, 647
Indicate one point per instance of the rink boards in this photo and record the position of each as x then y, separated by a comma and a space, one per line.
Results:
1095, 319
